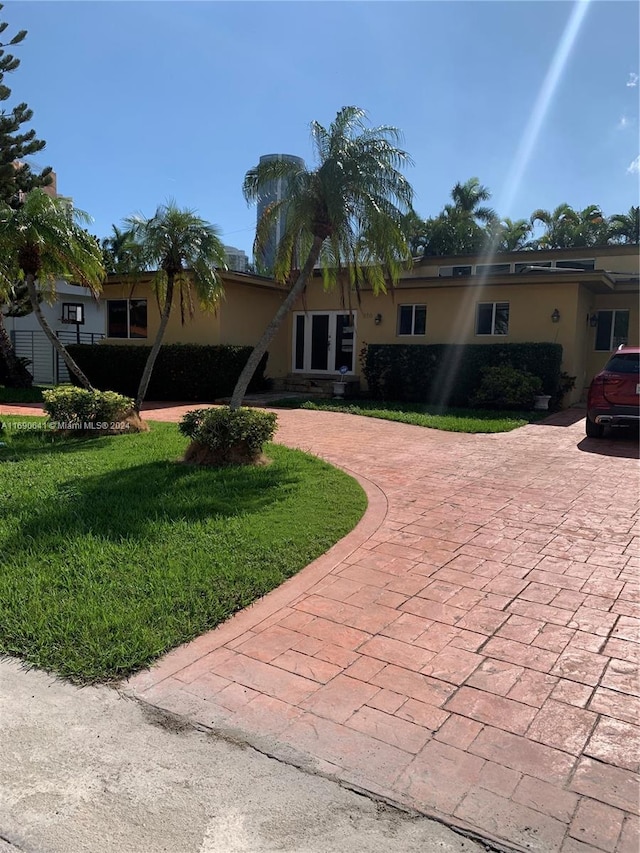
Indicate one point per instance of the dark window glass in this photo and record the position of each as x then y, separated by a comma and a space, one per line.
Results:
320, 342
405, 319
344, 342
485, 318
502, 319
624, 362
117, 318
300, 342
493, 269
575, 265
137, 318
420, 320
620, 328
461, 271
603, 332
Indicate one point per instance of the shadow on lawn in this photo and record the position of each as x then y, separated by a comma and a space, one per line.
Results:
137, 501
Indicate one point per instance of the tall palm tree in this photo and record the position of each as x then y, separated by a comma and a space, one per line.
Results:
625, 227
43, 241
346, 213
186, 253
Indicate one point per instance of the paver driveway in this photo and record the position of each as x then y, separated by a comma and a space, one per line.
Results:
470, 650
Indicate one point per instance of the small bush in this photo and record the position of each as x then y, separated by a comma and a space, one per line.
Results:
506, 388
80, 410
222, 437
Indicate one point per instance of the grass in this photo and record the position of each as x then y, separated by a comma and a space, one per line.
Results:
114, 553
21, 395
450, 419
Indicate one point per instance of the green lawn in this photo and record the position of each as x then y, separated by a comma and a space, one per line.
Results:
451, 420
113, 552
15, 396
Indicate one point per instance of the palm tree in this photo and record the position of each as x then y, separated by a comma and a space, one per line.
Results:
625, 227
511, 236
347, 213
42, 240
186, 253
119, 252
461, 228
559, 226
467, 202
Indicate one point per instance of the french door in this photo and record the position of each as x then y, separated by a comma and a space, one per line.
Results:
323, 342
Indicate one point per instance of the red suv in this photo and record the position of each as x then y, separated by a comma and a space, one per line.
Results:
614, 394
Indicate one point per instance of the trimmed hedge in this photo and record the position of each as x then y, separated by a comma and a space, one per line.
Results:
189, 372
449, 374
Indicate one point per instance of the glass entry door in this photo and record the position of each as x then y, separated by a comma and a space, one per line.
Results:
323, 342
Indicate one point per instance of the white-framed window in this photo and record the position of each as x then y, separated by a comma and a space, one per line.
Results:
126, 318
492, 318
412, 320
612, 330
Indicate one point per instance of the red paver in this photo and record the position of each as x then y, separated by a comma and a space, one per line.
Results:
470, 650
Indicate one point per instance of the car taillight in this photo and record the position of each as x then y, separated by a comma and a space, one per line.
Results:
612, 379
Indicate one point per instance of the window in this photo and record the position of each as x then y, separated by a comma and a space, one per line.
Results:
612, 330
576, 265
493, 269
458, 271
412, 319
73, 312
492, 318
532, 265
127, 318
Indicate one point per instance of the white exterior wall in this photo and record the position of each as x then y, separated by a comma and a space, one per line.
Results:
30, 341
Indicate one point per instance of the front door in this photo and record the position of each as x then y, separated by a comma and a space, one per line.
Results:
323, 342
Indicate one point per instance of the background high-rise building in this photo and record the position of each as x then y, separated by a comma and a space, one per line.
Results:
275, 191
236, 259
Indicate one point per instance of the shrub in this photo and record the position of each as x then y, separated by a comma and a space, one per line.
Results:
506, 388
221, 436
189, 372
80, 410
449, 374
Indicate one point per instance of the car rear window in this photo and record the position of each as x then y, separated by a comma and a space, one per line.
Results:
624, 362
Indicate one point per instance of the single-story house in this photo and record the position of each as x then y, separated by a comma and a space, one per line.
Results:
584, 299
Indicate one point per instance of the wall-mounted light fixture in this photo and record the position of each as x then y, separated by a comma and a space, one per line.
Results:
555, 317
593, 321
377, 319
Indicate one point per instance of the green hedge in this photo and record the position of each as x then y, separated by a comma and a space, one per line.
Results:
449, 374
188, 372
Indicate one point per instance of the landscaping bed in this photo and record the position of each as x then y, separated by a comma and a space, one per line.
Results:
115, 552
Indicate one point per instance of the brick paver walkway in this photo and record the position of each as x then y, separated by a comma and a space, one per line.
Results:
470, 650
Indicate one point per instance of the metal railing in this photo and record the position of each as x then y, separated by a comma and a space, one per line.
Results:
46, 367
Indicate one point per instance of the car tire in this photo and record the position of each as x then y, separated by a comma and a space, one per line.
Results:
593, 430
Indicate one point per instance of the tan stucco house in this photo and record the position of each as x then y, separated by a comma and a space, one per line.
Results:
585, 299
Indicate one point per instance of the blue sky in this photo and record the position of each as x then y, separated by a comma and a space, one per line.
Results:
143, 101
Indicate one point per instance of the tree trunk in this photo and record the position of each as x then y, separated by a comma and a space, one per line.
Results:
261, 347
17, 375
155, 349
57, 344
